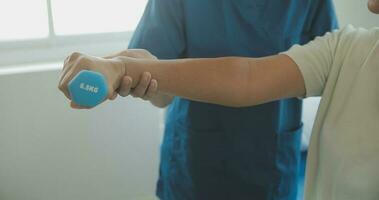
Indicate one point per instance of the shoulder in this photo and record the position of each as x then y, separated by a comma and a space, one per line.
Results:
355, 42
358, 36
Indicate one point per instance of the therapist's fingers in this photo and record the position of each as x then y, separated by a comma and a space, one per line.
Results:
113, 97
126, 84
142, 86
152, 90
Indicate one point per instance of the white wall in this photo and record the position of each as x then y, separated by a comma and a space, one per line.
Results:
355, 12
49, 151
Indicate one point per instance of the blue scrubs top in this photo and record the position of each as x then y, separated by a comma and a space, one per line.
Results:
211, 152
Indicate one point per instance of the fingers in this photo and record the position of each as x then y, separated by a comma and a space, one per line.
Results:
63, 85
67, 73
113, 96
146, 89
111, 93
126, 84
68, 62
65, 80
152, 90
142, 85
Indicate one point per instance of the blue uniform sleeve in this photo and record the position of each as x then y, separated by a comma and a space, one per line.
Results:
161, 29
322, 19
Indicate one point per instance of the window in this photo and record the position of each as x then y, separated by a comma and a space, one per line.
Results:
88, 16
23, 22
48, 30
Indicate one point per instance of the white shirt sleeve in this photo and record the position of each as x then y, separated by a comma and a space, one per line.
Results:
315, 61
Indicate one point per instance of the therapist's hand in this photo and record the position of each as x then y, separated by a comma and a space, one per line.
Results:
147, 87
112, 69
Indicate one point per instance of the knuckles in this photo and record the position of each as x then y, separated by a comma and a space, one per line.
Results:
74, 56
73, 60
77, 58
60, 86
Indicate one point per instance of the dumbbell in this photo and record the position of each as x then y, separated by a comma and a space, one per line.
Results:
88, 88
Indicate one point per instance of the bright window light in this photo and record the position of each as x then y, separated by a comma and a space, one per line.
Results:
89, 16
23, 19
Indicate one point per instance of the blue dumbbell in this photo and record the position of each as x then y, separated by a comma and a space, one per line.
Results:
88, 88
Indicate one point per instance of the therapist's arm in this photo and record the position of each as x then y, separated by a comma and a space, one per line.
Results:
229, 81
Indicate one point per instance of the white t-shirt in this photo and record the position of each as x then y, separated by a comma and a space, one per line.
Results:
343, 158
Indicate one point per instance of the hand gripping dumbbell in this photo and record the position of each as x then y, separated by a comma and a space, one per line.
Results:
88, 88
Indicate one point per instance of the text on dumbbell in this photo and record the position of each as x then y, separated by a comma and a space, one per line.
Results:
89, 88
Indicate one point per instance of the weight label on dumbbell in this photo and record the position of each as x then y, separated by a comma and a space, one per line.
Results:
89, 88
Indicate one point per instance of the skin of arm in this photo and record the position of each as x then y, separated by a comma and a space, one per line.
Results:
228, 81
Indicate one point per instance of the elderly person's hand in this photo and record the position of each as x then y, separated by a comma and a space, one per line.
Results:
112, 69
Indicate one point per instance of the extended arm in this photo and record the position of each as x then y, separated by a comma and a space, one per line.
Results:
230, 81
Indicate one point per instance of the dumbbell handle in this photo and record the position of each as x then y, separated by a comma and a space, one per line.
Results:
88, 88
